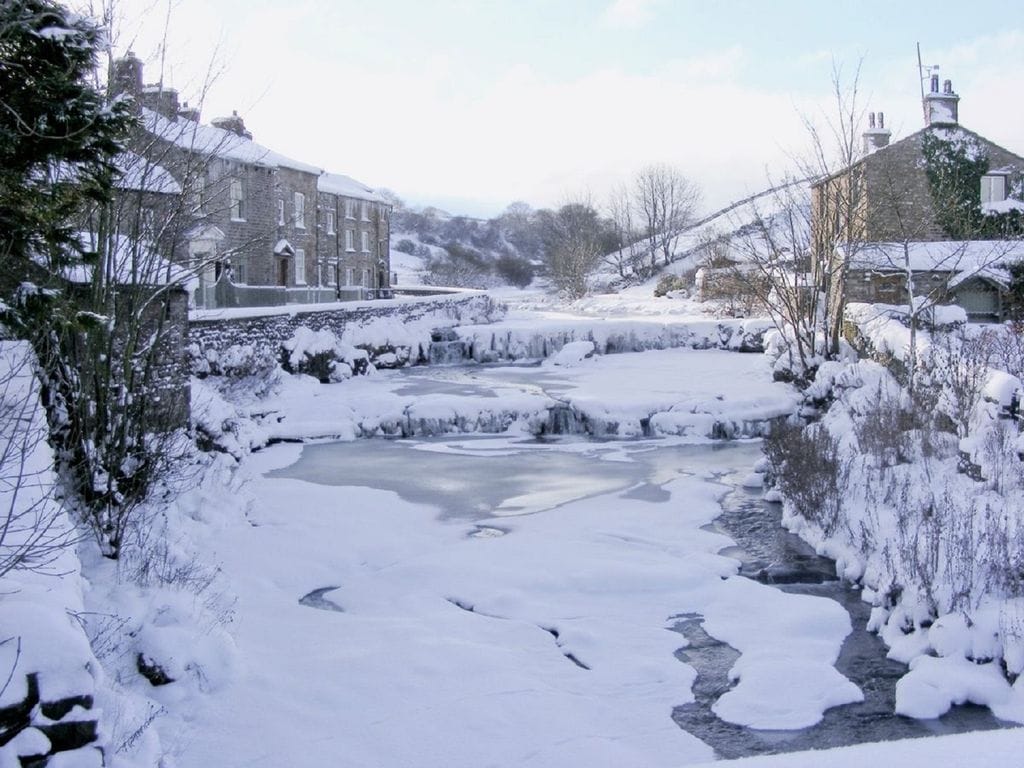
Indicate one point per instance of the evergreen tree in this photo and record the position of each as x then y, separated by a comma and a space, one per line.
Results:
58, 134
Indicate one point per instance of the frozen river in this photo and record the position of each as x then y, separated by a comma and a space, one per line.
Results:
507, 600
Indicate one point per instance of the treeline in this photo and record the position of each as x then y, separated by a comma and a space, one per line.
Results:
629, 237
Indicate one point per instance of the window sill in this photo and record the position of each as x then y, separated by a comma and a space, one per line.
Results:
300, 226
239, 221
350, 250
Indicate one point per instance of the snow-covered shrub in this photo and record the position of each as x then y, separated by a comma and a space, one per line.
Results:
405, 245
671, 283
808, 471
321, 355
237, 361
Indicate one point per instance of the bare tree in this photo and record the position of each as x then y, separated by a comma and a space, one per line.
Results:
665, 201
574, 238
627, 260
32, 534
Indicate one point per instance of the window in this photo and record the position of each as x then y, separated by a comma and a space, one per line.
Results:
237, 197
300, 266
365, 241
332, 272
350, 240
382, 248
238, 273
364, 210
366, 278
348, 276
300, 211
198, 201
993, 188
280, 212
147, 221
330, 222
350, 209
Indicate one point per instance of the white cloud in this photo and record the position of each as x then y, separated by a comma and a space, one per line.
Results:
628, 14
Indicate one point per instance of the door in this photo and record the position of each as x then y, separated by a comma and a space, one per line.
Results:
282, 273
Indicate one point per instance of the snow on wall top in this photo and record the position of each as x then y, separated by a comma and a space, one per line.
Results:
218, 142
346, 186
967, 258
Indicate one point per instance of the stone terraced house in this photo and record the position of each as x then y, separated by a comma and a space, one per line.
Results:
257, 228
943, 204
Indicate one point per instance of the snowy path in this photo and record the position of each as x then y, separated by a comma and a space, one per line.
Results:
548, 646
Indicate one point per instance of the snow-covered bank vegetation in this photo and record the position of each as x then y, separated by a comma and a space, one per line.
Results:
915, 485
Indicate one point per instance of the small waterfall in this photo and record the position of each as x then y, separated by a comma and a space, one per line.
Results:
446, 348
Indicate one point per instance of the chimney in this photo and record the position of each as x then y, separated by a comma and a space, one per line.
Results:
189, 113
235, 124
162, 100
941, 108
126, 77
877, 135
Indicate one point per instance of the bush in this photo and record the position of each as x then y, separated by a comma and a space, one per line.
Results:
514, 270
807, 470
669, 283
405, 245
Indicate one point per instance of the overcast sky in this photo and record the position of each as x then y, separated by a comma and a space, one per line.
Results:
471, 104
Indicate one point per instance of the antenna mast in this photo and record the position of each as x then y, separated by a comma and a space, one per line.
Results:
924, 73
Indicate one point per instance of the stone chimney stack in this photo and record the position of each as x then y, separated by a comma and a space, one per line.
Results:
162, 100
235, 124
126, 77
877, 135
941, 108
189, 113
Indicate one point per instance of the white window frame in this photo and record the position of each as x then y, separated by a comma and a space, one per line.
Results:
350, 208
299, 203
236, 197
332, 267
365, 241
366, 278
238, 275
364, 210
280, 212
300, 266
993, 188
330, 222
349, 275
350, 240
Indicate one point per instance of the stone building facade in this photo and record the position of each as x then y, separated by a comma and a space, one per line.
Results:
258, 228
867, 218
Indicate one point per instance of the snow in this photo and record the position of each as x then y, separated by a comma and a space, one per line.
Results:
210, 140
441, 630
964, 258
346, 186
142, 175
988, 749
133, 262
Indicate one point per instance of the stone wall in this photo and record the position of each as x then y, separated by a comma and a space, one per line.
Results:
394, 333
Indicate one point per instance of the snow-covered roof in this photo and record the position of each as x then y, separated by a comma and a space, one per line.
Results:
134, 263
346, 186
139, 174
965, 259
217, 142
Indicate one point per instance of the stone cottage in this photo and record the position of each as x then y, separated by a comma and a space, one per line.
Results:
942, 205
255, 227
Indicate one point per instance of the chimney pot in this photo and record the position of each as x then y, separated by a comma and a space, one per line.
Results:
935, 83
881, 119
947, 86
871, 119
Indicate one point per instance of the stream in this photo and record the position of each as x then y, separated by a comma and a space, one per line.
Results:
771, 554
485, 478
